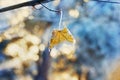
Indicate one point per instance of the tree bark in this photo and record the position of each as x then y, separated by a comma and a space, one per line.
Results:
44, 67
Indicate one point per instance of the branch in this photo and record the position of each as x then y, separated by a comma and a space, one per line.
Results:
29, 3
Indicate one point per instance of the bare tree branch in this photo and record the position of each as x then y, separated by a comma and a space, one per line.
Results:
35, 2
29, 3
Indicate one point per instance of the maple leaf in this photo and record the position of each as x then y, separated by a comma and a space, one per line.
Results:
59, 36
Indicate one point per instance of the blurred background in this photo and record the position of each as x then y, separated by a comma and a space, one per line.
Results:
25, 34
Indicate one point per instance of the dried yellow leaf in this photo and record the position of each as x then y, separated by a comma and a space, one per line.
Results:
59, 36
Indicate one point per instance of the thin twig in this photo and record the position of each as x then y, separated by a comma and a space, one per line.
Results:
50, 9
59, 11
